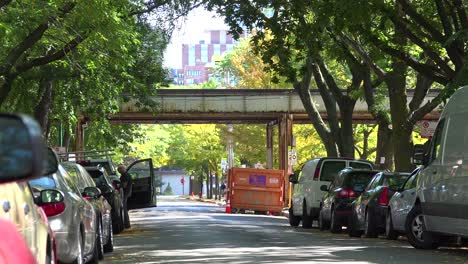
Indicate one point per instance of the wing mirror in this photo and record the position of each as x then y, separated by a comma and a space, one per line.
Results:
50, 197
21, 148
420, 154
293, 178
324, 188
92, 192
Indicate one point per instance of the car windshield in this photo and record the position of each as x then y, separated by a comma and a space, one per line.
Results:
358, 180
396, 181
106, 165
98, 177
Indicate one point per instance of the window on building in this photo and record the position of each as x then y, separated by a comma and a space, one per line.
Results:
191, 55
216, 49
204, 53
229, 47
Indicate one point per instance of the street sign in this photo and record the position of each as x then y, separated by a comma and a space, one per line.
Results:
292, 156
182, 180
427, 128
223, 164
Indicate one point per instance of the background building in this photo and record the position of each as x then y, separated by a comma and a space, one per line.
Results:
197, 59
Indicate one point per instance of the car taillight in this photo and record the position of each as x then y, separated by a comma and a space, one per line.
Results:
53, 208
383, 200
116, 185
317, 173
86, 198
345, 193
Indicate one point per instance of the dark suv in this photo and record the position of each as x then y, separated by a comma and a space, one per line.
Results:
112, 194
335, 208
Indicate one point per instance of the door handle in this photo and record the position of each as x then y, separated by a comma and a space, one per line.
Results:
26, 209
6, 206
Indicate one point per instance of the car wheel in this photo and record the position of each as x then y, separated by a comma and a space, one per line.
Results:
50, 257
353, 230
109, 246
80, 256
322, 224
95, 257
415, 231
390, 233
370, 230
306, 218
335, 227
293, 219
100, 244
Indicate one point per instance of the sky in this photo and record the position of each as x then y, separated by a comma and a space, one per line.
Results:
191, 31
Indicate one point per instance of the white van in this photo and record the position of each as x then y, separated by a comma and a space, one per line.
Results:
441, 205
305, 202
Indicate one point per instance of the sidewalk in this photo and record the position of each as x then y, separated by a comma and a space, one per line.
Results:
204, 200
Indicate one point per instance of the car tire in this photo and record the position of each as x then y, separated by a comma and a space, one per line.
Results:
415, 231
293, 219
306, 218
95, 257
100, 244
390, 233
370, 230
321, 222
109, 246
335, 227
80, 258
353, 230
50, 256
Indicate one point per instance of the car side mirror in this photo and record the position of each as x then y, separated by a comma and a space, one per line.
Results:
324, 188
418, 154
21, 148
293, 178
92, 192
50, 196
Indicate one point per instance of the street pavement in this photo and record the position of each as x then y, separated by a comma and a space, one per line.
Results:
186, 231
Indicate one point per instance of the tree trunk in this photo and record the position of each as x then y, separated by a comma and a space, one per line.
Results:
42, 110
211, 184
346, 131
207, 184
384, 147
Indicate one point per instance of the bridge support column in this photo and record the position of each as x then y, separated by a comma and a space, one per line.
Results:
285, 141
269, 144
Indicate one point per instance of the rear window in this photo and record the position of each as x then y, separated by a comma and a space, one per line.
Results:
358, 179
360, 166
98, 177
46, 182
396, 181
106, 165
330, 170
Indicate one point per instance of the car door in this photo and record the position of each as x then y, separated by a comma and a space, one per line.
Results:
402, 202
363, 199
143, 186
328, 171
298, 194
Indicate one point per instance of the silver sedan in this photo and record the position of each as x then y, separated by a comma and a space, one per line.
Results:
71, 217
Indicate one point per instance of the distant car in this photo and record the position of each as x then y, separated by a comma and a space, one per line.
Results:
22, 153
307, 196
370, 208
111, 192
335, 208
71, 217
399, 206
90, 192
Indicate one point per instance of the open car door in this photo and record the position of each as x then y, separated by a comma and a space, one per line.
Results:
144, 189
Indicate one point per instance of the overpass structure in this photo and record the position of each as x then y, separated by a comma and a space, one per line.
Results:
273, 107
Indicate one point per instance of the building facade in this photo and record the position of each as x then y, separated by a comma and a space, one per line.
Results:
197, 59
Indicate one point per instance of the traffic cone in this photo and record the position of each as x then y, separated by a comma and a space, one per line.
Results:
228, 207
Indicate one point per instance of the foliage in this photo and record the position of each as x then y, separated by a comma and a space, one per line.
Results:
168, 190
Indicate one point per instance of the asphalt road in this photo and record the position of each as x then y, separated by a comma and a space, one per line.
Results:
184, 231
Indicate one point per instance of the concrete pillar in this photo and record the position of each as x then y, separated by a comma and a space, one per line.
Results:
285, 141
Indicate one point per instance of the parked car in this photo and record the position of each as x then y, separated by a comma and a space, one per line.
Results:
370, 208
305, 204
90, 192
399, 206
71, 217
112, 194
22, 158
440, 208
335, 208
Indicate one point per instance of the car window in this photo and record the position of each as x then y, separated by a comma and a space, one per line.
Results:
74, 177
70, 181
46, 182
330, 170
360, 165
98, 177
395, 181
86, 177
375, 182
456, 141
409, 182
436, 150
358, 179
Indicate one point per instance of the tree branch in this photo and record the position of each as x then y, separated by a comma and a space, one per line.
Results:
410, 11
31, 39
55, 55
444, 18
461, 11
330, 81
423, 84
428, 70
4, 3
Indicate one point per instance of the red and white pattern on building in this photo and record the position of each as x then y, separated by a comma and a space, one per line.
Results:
197, 59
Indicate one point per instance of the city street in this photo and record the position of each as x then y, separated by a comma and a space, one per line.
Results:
184, 231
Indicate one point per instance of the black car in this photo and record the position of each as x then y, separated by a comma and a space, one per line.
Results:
335, 208
370, 209
111, 191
